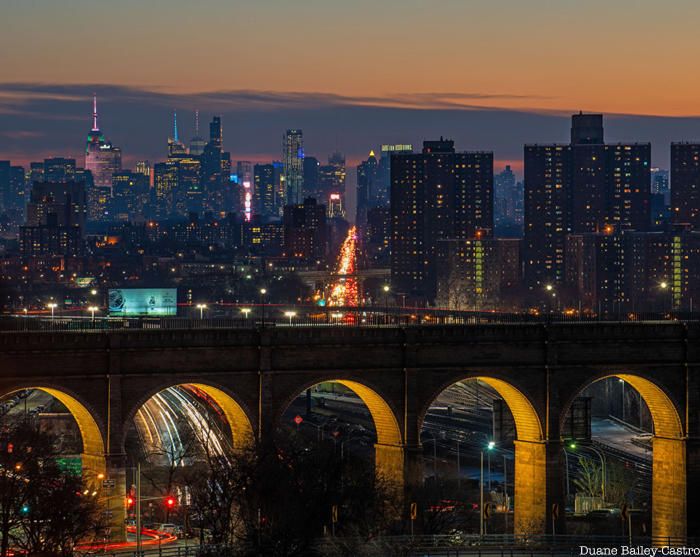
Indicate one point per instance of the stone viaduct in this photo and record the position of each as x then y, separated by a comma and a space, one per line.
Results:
104, 377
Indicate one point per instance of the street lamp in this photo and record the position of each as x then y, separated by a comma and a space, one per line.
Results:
245, 312
52, 306
201, 308
263, 291
386, 289
601, 455
489, 448
290, 314
664, 285
92, 310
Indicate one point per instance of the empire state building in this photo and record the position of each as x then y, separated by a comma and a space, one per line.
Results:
101, 157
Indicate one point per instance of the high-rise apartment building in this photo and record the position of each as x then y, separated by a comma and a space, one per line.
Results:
685, 184
584, 187
305, 232
293, 159
382, 195
435, 195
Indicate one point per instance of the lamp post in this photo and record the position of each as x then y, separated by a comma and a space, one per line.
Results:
386, 289
550, 291
52, 306
489, 448
92, 310
245, 312
201, 308
291, 315
663, 285
263, 291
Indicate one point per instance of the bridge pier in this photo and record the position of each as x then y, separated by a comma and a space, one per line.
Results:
692, 472
668, 496
113, 492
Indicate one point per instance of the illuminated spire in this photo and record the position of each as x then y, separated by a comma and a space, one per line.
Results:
94, 113
371, 153
196, 123
175, 138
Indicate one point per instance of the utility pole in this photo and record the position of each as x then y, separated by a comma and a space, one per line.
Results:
138, 509
481, 497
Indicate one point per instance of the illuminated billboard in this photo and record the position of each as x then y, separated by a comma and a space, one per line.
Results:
154, 302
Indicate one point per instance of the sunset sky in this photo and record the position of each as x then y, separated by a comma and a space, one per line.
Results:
353, 74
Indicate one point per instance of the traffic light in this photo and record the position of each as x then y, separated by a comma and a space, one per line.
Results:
25, 509
170, 501
130, 501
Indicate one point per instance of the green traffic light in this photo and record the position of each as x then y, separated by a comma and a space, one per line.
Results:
572, 445
25, 509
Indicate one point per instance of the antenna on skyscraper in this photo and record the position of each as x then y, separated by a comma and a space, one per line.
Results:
196, 123
175, 138
94, 113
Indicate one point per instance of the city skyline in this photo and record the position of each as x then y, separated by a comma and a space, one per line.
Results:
50, 120
346, 94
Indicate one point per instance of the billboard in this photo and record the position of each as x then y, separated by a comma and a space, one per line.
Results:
155, 302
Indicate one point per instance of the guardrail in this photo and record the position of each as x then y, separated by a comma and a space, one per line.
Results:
453, 545
313, 316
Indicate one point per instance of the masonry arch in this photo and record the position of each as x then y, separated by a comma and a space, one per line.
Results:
668, 497
389, 449
530, 481
234, 411
94, 464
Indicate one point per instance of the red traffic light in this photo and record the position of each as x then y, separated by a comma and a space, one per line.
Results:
298, 419
129, 501
170, 502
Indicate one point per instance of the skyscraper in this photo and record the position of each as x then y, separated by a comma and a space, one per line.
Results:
293, 159
435, 195
197, 143
312, 184
367, 183
266, 178
102, 159
216, 172
507, 204
246, 188
176, 148
381, 197
685, 184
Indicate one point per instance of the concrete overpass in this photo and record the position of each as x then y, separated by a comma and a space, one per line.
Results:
104, 377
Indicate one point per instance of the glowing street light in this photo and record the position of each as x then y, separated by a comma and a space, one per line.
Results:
92, 310
549, 288
245, 312
52, 306
263, 291
93, 292
201, 308
491, 445
290, 314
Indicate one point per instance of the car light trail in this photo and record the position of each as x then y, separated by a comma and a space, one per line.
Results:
165, 420
344, 291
